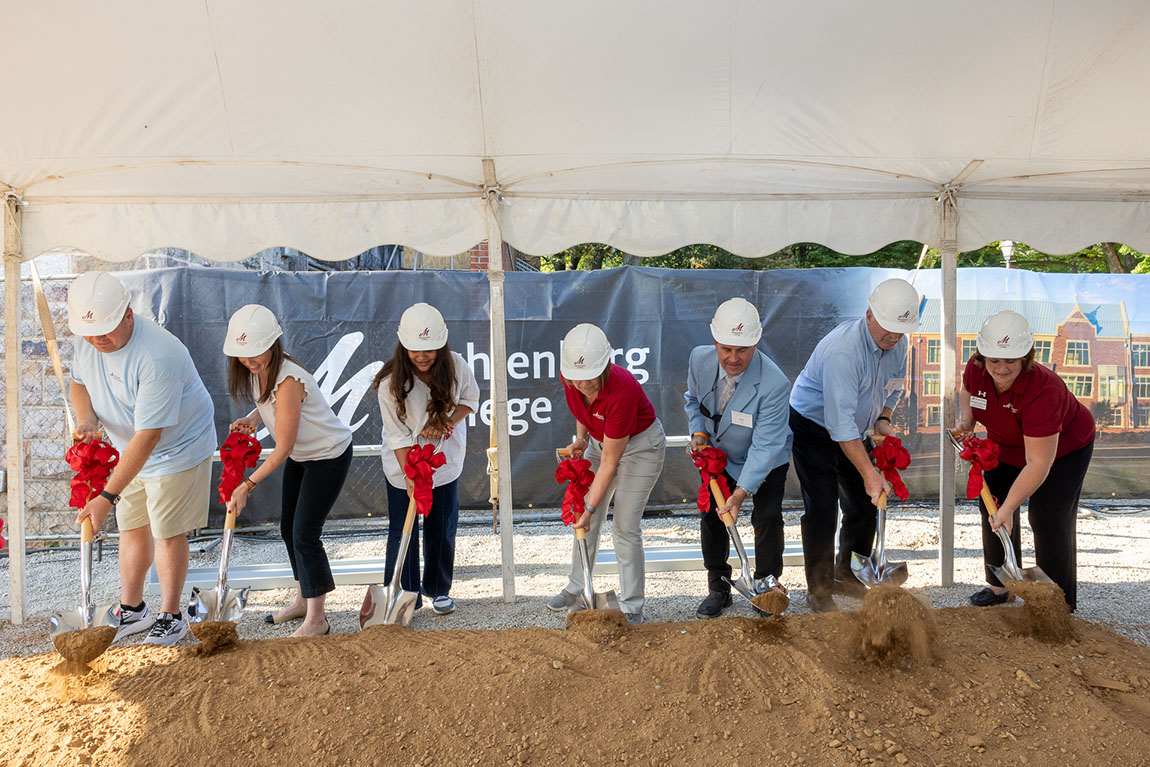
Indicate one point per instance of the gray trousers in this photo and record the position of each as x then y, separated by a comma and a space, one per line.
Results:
638, 469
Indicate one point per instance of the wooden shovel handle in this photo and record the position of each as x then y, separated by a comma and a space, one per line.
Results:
409, 520
882, 499
721, 501
229, 520
580, 533
86, 533
988, 499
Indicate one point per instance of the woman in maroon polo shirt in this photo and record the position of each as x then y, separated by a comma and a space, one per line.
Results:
618, 433
1045, 437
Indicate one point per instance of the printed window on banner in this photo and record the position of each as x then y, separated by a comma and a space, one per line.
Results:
1142, 417
1078, 353
1112, 382
1141, 354
930, 384
933, 415
1042, 351
1080, 386
969, 347
1116, 416
933, 351
1142, 387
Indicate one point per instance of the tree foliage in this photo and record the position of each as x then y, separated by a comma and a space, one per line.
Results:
1100, 257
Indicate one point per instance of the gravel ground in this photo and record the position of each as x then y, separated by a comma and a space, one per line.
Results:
1112, 570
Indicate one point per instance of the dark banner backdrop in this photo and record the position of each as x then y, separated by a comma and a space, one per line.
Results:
341, 326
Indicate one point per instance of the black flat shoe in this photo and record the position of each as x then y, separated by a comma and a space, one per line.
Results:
713, 605
985, 597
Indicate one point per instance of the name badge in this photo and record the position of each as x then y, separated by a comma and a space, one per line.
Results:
742, 419
978, 403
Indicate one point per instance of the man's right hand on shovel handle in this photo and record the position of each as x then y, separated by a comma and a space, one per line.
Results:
876, 485
96, 510
86, 431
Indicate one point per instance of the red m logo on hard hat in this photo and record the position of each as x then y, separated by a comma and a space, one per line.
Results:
579, 362
88, 316
243, 339
426, 333
738, 328
1005, 340
904, 316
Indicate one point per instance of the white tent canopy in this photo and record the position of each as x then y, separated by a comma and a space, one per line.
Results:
228, 127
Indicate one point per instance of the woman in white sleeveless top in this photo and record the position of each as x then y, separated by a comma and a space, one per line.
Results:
311, 442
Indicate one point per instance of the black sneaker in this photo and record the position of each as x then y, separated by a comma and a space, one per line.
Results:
167, 630
712, 606
985, 597
849, 586
133, 622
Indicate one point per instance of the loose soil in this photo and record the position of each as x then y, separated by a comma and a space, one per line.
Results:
789, 689
85, 645
212, 636
773, 602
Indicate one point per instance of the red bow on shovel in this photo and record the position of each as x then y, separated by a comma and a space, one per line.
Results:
3, 542
422, 461
712, 462
576, 472
93, 463
240, 451
890, 457
983, 456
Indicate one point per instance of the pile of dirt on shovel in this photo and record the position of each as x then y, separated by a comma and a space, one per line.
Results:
791, 689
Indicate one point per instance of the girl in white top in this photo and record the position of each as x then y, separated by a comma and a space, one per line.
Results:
426, 391
311, 442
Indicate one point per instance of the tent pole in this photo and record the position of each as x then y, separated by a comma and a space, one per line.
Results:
15, 436
498, 348
948, 211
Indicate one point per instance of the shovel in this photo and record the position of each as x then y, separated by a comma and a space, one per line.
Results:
742, 582
391, 605
875, 570
221, 603
1010, 570
588, 600
82, 635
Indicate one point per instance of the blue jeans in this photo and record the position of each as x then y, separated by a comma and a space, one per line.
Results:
438, 541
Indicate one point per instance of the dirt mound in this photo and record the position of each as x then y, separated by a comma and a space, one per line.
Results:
773, 602
213, 636
82, 647
789, 690
895, 625
1044, 614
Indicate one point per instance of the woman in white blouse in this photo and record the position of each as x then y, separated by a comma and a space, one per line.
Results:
311, 442
426, 391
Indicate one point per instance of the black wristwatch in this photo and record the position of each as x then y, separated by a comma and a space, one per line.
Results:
112, 499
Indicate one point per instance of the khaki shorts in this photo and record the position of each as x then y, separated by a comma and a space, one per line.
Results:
172, 504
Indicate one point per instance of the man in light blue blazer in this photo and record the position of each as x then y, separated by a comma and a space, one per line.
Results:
737, 400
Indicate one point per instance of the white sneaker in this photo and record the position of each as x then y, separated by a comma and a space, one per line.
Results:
167, 630
133, 622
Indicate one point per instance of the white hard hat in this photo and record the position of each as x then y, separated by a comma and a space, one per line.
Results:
251, 331
97, 302
421, 328
736, 323
894, 304
1005, 335
586, 353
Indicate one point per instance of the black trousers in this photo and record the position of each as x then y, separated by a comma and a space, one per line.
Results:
1053, 516
767, 523
309, 491
828, 479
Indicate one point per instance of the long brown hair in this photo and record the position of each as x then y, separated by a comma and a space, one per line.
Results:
401, 370
240, 378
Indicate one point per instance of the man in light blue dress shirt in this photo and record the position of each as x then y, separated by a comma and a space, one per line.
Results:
736, 400
848, 388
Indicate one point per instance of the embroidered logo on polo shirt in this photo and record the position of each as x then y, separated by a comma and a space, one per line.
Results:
600, 416
1010, 407
115, 377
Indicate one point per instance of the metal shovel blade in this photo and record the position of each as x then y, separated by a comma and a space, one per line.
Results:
221, 603
875, 570
82, 635
742, 582
1010, 571
589, 599
391, 605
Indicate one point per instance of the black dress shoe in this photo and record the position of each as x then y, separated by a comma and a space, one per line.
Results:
821, 603
985, 597
712, 606
849, 586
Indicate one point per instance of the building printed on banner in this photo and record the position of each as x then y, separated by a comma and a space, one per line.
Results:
1090, 346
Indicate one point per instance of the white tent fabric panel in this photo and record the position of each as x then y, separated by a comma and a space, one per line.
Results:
831, 121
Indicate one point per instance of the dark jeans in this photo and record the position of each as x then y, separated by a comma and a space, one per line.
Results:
1053, 515
767, 523
828, 480
309, 491
438, 541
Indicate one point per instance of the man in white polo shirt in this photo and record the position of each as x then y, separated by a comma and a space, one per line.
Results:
137, 381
